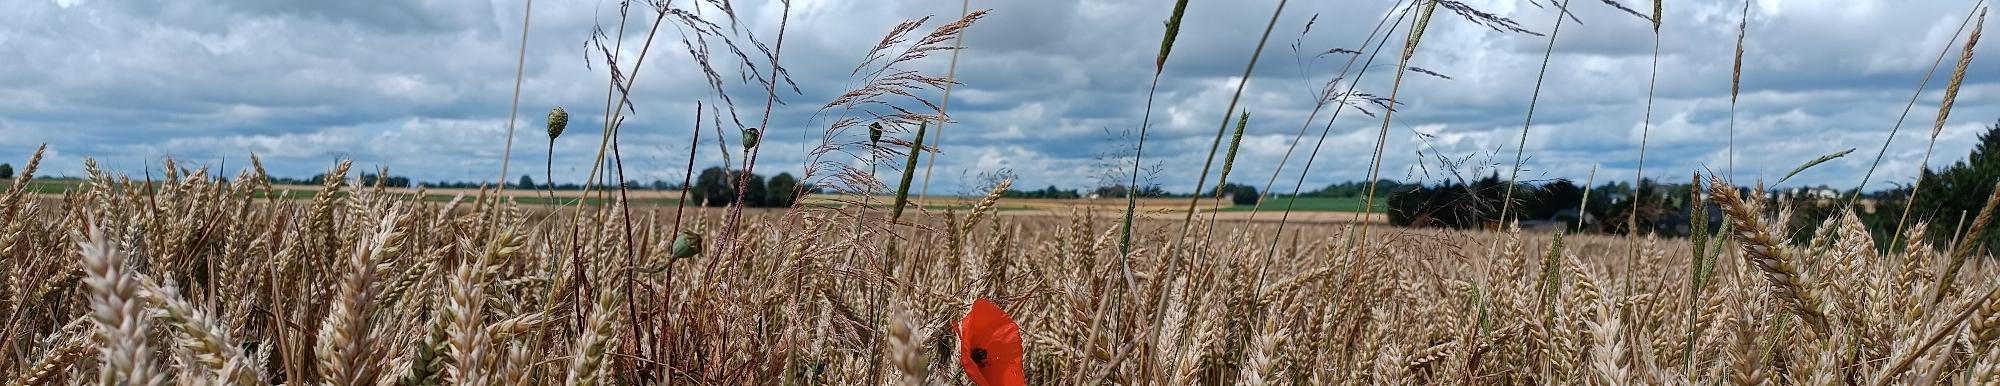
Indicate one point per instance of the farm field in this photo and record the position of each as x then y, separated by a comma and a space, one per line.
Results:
1248, 302
1666, 195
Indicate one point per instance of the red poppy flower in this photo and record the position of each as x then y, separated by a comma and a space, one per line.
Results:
989, 346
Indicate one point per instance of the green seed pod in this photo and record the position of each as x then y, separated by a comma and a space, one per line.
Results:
558, 120
687, 245
875, 133
750, 135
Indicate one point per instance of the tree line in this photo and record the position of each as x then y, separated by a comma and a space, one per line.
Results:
1944, 201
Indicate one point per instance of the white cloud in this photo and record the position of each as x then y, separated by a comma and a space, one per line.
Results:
423, 86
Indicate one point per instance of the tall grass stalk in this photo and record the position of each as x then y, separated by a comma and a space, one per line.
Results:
1645, 128
944, 103
1173, 30
1520, 148
1937, 126
1921, 85
513, 107
1736, 85
1187, 220
1145, 123
729, 229
1416, 35
1339, 104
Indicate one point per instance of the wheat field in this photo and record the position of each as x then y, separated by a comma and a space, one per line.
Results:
196, 279
192, 280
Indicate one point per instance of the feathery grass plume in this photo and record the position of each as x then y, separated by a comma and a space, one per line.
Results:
1966, 243
1514, 175
119, 312
730, 232
1388, 115
1324, 98
1770, 258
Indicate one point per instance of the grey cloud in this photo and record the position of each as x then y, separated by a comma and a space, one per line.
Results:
423, 87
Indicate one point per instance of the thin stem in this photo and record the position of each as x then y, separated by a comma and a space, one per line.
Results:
1514, 176
513, 108
1911, 104
750, 159
951, 78
1639, 170
1174, 258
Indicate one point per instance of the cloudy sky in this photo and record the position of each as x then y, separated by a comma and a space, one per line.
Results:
423, 86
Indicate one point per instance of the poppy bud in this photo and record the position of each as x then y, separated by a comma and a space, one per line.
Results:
750, 135
558, 120
687, 245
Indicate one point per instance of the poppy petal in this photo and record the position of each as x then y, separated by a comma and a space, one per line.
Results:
990, 346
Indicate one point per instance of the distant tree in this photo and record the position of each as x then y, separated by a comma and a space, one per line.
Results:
1239, 194
6, 171
1553, 198
371, 179
1109, 191
713, 188
526, 182
782, 191
1450, 205
1961, 188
